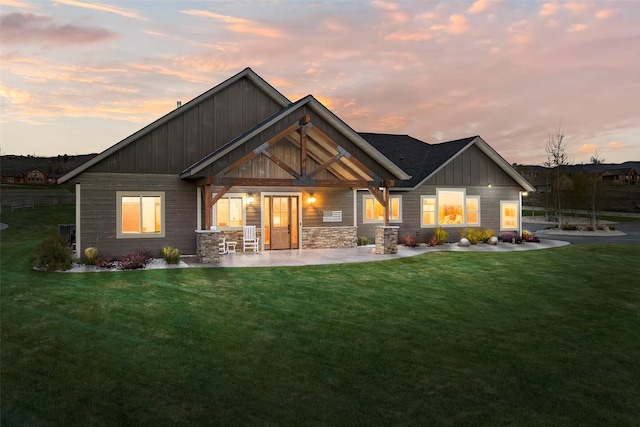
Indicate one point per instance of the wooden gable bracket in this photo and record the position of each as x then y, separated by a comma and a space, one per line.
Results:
259, 150
383, 198
209, 202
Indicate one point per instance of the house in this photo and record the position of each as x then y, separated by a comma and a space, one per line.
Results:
627, 176
243, 154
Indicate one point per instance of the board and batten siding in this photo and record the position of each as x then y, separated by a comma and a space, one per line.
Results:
471, 170
98, 212
198, 131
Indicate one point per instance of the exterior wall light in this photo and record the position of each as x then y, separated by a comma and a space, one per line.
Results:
250, 199
312, 199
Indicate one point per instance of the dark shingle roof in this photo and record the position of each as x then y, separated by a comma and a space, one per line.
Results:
418, 158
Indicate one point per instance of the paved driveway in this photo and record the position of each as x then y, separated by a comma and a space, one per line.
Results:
630, 229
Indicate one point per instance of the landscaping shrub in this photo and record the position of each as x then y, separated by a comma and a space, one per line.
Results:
601, 227
433, 241
590, 228
133, 261
528, 236
441, 235
52, 254
363, 241
473, 235
91, 256
612, 228
106, 261
486, 235
569, 227
409, 240
509, 237
170, 255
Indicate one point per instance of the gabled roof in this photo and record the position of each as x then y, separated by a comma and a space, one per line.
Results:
247, 73
624, 171
319, 109
422, 160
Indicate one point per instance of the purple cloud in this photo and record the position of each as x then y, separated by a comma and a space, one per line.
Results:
27, 28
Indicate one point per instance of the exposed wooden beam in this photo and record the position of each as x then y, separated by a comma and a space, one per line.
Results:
219, 195
209, 202
303, 150
271, 141
351, 158
383, 198
285, 182
275, 159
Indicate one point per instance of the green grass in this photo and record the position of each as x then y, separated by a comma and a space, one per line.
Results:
549, 337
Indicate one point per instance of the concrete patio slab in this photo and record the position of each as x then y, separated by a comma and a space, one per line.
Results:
302, 257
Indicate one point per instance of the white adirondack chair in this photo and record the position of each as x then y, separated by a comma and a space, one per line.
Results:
249, 239
222, 246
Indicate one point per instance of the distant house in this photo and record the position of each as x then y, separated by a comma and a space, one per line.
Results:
626, 176
243, 154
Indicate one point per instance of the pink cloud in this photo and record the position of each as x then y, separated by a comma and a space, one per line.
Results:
239, 25
479, 6
27, 28
576, 28
588, 148
604, 14
615, 144
127, 13
576, 7
548, 9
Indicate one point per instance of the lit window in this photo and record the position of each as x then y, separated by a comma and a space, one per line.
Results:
140, 214
428, 211
509, 215
451, 207
374, 211
229, 211
473, 210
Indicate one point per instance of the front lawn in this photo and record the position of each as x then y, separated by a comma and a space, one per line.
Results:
548, 337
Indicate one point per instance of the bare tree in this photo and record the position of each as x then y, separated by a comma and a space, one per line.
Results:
597, 161
556, 159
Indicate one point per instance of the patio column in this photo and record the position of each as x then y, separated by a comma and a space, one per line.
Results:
387, 240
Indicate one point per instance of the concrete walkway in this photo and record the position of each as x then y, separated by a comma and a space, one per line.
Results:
301, 257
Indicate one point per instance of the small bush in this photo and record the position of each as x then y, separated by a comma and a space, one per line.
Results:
53, 254
440, 235
170, 255
612, 228
528, 236
433, 241
363, 241
409, 240
486, 235
601, 227
509, 237
91, 256
473, 235
590, 228
133, 261
569, 227
106, 261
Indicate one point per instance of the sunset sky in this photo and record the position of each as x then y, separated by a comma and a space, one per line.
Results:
79, 76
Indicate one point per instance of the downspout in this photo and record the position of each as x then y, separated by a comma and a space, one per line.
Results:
78, 240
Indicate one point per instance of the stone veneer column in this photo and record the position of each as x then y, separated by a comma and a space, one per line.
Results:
207, 246
387, 240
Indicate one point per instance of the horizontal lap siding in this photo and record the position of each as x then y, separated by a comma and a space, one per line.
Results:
327, 199
98, 212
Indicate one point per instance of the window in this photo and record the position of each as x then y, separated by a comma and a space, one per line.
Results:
509, 217
428, 211
450, 207
140, 214
374, 212
473, 210
229, 211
